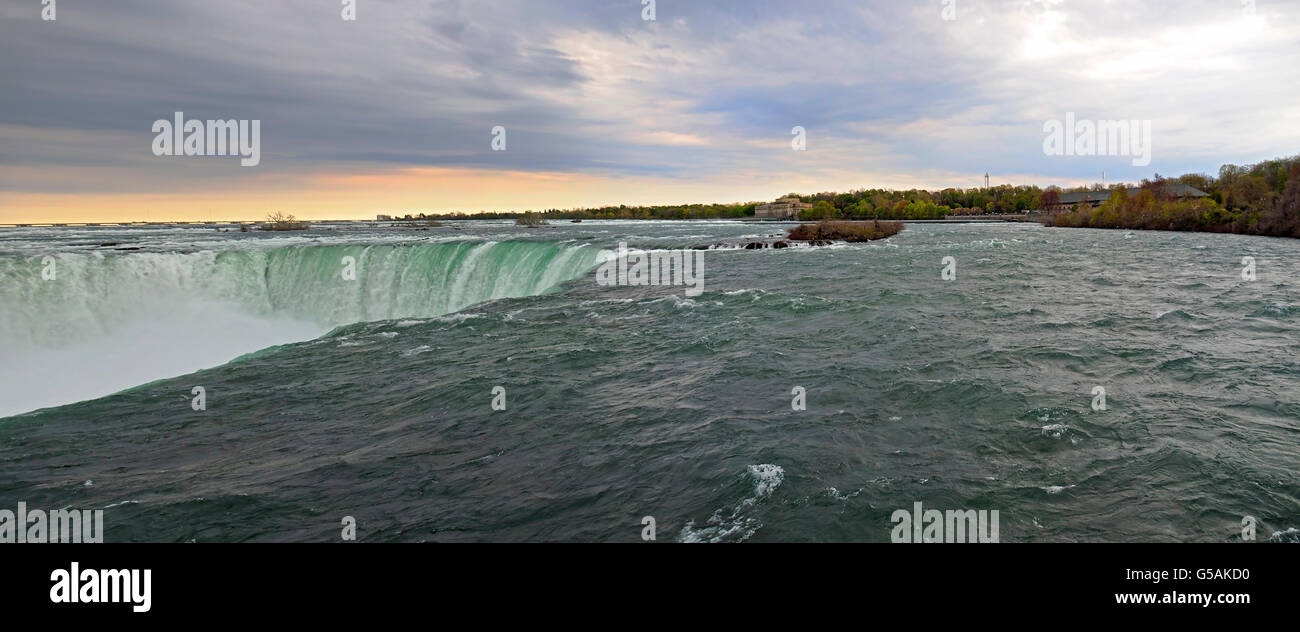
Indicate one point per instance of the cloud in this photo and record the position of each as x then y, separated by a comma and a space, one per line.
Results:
890, 92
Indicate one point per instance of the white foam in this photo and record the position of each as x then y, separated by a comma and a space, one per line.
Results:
110, 321
1289, 535
738, 526
1055, 430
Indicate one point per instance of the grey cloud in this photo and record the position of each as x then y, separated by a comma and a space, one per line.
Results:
588, 86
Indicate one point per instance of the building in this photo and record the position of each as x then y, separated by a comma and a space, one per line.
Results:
1097, 198
784, 208
383, 218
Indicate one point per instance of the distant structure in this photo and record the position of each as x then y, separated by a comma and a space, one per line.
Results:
784, 208
986, 180
1097, 198
383, 218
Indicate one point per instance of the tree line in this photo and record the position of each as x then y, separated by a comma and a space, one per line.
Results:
1258, 199
1255, 199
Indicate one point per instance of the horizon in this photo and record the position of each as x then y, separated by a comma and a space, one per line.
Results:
444, 107
400, 214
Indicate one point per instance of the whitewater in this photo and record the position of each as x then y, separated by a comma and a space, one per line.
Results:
141, 306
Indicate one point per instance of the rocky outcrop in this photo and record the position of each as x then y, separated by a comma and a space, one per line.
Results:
776, 244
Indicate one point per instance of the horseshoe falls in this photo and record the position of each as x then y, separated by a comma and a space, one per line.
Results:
90, 321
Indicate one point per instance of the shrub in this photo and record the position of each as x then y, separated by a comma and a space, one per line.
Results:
281, 221
530, 219
846, 231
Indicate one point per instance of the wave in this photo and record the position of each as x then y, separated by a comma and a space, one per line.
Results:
738, 525
109, 321
1178, 314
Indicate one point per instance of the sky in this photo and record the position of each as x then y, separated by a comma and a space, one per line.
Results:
394, 112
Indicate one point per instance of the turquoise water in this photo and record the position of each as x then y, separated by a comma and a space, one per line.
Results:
373, 398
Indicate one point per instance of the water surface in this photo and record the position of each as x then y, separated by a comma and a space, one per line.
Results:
372, 398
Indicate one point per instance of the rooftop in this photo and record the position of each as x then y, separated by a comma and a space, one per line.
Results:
1177, 190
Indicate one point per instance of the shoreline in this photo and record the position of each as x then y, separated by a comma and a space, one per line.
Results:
1040, 219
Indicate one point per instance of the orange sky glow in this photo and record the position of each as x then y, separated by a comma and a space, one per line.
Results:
362, 195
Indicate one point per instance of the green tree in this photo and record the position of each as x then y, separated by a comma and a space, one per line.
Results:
821, 210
